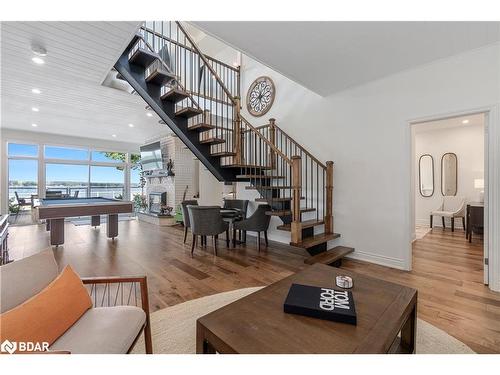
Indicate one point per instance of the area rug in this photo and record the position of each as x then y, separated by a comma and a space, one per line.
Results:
174, 328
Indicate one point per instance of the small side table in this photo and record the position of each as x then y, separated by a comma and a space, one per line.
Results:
475, 219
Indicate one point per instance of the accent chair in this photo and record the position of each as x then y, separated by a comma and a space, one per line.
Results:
451, 207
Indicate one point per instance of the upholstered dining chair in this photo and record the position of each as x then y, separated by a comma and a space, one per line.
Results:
185, 215
240, 204
257, 222
207, 221
452, 207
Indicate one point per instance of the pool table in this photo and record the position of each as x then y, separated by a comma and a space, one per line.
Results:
56, 210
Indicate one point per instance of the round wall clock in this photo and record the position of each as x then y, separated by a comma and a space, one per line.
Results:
260, 96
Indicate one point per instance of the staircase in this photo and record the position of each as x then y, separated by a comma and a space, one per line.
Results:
198, 98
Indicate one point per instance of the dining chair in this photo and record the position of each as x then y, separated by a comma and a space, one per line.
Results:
452, 207
207, 221
240, 204
257, 222
185, 215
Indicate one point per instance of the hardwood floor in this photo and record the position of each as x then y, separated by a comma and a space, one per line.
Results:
447, 270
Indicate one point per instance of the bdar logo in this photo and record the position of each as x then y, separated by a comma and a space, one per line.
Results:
8, 346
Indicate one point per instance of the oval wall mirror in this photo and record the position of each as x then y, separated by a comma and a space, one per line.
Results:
426, 175
449, 171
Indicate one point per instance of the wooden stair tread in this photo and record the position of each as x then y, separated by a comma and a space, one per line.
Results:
143, 57
212, 140
258, 176
160, 77
188, 112
270, 187
315, 240
261, 167
223, 153
330, 256
305, 224
174, 95
201, 127
285, 199
288, 212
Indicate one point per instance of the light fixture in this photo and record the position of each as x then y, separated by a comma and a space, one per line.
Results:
149, 114
130, 125
113, 135
465, 121
35, 109
34, 125
36, 91
38, 50
38, 60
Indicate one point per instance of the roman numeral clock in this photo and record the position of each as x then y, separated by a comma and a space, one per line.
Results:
260, 96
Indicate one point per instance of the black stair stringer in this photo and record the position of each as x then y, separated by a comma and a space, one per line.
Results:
150, 93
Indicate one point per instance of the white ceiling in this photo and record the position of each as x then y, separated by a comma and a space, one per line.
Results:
450, 123
73, 101
328, 57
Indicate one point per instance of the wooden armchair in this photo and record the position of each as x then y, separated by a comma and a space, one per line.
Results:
112, 326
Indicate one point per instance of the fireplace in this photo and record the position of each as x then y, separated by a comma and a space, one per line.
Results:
156, 200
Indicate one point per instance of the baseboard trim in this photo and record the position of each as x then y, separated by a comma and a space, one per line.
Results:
378, 259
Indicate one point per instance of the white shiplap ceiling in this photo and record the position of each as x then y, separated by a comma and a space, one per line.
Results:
73, 101
328, 57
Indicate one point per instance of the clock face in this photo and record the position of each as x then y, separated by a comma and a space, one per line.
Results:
260, 96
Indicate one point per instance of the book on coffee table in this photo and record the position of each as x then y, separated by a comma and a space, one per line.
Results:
321, 303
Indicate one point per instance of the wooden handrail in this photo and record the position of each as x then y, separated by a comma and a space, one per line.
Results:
273, 147
170, 40
207, 64
296, 143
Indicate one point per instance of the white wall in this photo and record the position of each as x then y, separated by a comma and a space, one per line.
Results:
467, 142
365, 131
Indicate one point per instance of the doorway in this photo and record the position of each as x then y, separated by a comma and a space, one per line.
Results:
449, 208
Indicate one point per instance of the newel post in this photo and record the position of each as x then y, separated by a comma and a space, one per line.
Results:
329, 198
272, 139
296, 225
237, 130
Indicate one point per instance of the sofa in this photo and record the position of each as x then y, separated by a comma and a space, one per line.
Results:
110, 326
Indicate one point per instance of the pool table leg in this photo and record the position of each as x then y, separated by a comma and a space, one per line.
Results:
56, 231
47, 225
95, 221
112, 227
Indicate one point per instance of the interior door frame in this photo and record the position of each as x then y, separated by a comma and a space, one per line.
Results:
491, 187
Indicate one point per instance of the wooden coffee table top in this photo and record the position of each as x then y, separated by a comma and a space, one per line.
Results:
257, 323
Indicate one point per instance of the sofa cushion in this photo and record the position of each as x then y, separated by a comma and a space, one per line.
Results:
103, 330
22, 279
48, 314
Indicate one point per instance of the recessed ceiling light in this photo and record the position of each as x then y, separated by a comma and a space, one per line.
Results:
35, 109
113, 135
34, 125
36, 91
465, 121
130, 125
38, 60
38, 50
149, 114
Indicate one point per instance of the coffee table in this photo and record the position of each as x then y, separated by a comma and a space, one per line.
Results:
256, 324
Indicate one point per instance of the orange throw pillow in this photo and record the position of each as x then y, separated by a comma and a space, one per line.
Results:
47, 315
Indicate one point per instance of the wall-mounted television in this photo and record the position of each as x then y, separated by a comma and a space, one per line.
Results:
151, 157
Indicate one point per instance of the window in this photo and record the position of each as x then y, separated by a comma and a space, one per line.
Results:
109, 157
23, 178
135, 175
67, 179
19, 149
53, 152
107, 182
